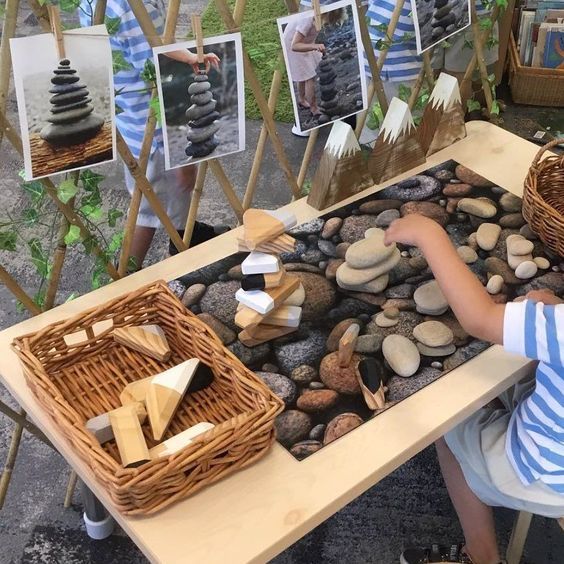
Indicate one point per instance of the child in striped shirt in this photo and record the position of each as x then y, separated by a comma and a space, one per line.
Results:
512, 456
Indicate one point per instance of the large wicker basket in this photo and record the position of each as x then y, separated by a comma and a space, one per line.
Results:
543, 198
75, 382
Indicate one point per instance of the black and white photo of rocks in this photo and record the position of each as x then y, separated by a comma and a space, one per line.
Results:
435, 20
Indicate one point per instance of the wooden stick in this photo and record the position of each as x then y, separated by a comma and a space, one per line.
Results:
51, 190
479, 50
73, 478
505, 21
197, 31
40, 12
10, 460
416, 88
262, 103
195, 202
429, 74
316, 14
8, 31
307, 156
99, 12
227, 187
239, 11
55, 19
25, 423
18, 291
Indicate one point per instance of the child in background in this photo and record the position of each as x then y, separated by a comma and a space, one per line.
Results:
508, 457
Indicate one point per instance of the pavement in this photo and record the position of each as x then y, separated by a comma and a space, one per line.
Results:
408, 507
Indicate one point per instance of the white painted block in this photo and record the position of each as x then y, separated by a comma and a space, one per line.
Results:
178, 442
255, 299
260, 263
285, 316
287, 218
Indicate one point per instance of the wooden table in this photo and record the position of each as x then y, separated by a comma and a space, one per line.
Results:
256, 513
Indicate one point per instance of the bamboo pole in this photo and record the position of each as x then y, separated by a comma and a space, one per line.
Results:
227, 188
262, 103
8, 31
195, 202
73, 478
10, 460
479, 54
416, 88
40, 12
51, 190
25, 423
18, 291
429, 75
99, 12
307, 156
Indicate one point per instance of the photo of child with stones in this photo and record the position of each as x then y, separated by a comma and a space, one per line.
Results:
324, 66
436, 20
66, 103
202, 106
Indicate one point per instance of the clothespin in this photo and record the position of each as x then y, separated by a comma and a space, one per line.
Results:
197, 31
55, 20
316, 14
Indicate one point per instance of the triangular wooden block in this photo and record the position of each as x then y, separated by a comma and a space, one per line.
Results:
258, 334
282, 244
129, 436
178, 442
135, 391
443, 118
347, 344
397, 148
262, 225
342, 171
146, 339
164, 394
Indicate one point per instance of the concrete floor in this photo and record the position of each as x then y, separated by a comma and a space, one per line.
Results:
409, 507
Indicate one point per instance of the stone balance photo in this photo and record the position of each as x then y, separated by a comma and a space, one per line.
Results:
347, 276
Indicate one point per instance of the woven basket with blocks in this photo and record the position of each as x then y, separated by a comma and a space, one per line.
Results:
77, 371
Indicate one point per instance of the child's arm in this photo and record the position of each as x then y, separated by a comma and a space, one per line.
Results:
300, 46
185, 56
475, 310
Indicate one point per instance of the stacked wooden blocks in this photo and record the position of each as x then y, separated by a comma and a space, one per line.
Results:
269, 299
155, 398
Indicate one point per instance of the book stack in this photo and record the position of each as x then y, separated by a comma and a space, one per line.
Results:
270, 299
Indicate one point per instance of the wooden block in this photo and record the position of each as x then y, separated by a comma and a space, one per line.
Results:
260, 263
263, 225
258, 300
368, 375
282, 244
135, 391
178, 442
129, 436
278, 295
146, 339
263, 333
262, 281
285, 316
347, 344
101, 427
164, 394
342, 170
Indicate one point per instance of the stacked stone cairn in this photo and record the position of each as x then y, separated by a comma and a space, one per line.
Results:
434, 339
202, 118
444, 19
71, 119
367, 263
329, 100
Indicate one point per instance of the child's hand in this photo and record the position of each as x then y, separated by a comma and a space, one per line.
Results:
318, 47
412, 229
545, 296
210, 60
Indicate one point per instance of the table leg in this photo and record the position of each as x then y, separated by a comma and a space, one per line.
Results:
99, 523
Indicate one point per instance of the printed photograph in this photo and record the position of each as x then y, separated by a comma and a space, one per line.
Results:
202, 104
65, 104
436, 20
325, 67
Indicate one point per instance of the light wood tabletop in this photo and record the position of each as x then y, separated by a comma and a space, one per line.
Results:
256, 513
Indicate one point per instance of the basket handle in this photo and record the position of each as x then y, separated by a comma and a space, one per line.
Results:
547, 147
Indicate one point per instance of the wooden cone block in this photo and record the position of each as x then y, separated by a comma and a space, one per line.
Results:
135, 391
164, 394
129, 436
347, 345
262, 225
146, 339
258, 334
178, 442
101, 427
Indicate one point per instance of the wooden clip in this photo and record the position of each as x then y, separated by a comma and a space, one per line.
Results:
55, 19
316, 14
347, 345
197, 31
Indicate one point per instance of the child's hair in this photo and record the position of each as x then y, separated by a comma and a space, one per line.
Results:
333, 17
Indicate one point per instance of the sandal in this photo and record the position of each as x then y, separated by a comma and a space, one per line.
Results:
437, 553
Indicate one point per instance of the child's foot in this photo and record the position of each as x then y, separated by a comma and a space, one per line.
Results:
202, 232
304, 105
437, 553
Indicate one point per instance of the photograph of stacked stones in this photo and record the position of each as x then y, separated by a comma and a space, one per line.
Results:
203, 111
325, 66
349, 277
435, 20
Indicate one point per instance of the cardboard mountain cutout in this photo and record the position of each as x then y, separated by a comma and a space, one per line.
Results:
443, 118
342, 170
397, 148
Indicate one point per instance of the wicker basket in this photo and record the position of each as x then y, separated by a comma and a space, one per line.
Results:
79, 381
536, 86
543, 198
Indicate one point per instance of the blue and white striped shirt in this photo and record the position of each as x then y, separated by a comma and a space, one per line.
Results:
535, 435
132, 95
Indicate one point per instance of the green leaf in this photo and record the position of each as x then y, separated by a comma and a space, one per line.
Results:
92, 212
8, 240
73, 235
66, 190
39, 258
112, 24
88, 244
306, 187
39, 299
72, 296
473, 105
132, 265
375, 117
149, 74
119, 63
155, 105
90, 180
495, 108
491, 78
113, 216
116, 242
118, 109
502, 3
404, 92
69, 5
35, 190
30, 216
485, 24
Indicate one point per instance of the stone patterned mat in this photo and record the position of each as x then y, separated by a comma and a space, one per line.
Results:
290, 365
